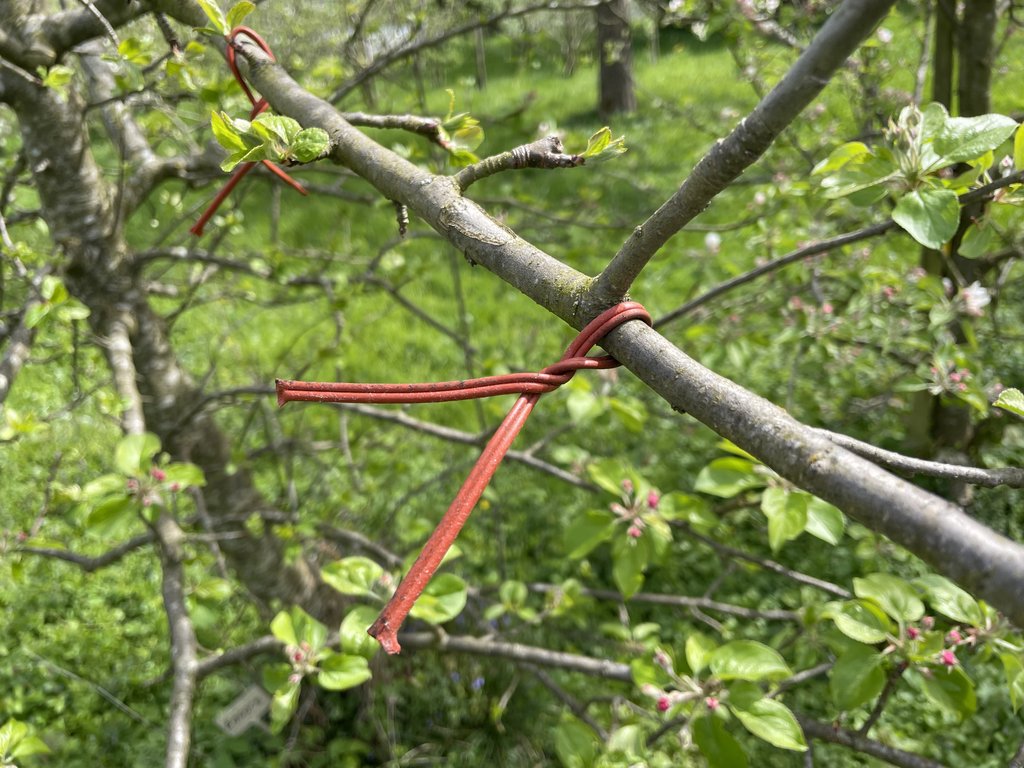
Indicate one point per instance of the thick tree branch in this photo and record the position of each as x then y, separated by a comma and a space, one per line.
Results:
935, 530
183, 651
839, 38
834, 735
19, 347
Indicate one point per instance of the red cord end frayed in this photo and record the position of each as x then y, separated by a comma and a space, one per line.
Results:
384, 634
282, 394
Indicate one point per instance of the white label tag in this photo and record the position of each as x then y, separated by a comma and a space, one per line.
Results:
248, 709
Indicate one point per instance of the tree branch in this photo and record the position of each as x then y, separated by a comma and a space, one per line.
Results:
834, 735
87, 563
680, 601
989, 478
482, 646
833, 44
171, 541
543, 153
768, 565
578, 709
800, 253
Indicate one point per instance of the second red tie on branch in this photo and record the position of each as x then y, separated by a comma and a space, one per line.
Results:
530, 386
258, 106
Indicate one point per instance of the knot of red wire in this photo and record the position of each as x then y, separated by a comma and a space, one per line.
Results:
530, 386
258, 106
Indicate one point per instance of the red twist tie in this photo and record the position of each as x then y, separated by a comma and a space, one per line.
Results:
258, 106
530, 386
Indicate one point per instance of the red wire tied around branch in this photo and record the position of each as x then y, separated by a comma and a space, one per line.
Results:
258, 106
530, 386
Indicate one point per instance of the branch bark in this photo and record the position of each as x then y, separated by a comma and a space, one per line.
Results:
979, 559
825, 732
839, 38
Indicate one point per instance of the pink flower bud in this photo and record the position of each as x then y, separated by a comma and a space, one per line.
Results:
948, 658
158, 474
634, 532
712, 703
913, 633
294, 678
664, 703
954, 636
928, 622
662, 659
652, 499
827, 308
132, 485
175, 487
627, 485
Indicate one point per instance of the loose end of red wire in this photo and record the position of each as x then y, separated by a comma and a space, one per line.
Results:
382, 631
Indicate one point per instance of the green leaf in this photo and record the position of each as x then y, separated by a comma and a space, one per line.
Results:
825, 521
587, 531
629, 559
215, 15
58, 77
861, 621
950, 689
108, 517
895, 596
1018, 150
966, 138
513, 593
225, 134
339, 671
840, 156
442, 600
1014, 671
748, 660
283, 705
786, 513
699, 648
280, 128
30, 745
602, 146
238, 12
949, 600
308, 630
575, 745
930, 216
353, 576
1011, 400
11, 734
718, 746
976, 240
727, 477
134, 453
767, 719
857, 677
310, 144
36, 313
609, 474
631, 414
281, 627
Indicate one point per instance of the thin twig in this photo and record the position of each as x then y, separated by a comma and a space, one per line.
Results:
800, 253
883, 699
680, 601
988, 478
543, 153
482, 646
87, 563
768, 565
578, 709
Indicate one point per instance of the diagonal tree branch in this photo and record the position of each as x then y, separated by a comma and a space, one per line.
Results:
834, 735
87, 563
833, 44
939, 532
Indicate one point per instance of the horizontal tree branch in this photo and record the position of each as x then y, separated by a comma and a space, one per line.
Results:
544, 153
482, 646
92, 563
679, 601
989, 478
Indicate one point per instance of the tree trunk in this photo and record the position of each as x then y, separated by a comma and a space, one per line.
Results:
974, 51
615, 54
